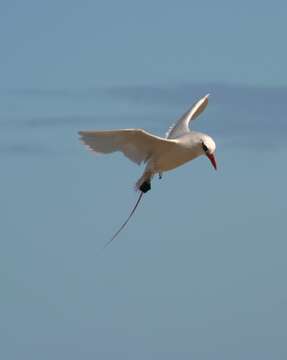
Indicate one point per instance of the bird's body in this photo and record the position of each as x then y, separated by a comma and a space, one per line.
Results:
177, 153
179, 146
160, 154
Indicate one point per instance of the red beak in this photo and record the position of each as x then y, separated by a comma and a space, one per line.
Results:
211, 157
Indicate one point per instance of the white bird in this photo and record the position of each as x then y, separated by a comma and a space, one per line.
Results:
179, 146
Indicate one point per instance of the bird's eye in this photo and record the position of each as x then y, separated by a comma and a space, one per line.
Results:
205, 148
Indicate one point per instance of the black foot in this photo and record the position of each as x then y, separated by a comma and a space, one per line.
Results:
145, 186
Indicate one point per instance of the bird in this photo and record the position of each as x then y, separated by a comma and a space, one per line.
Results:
180, 145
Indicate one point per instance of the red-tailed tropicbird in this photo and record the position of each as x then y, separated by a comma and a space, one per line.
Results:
179, 146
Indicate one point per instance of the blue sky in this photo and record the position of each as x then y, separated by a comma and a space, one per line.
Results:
88, 43
200, 270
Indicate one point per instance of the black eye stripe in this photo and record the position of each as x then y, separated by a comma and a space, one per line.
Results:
205, 148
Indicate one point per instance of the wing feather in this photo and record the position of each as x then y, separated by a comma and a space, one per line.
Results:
136, 144
181, 127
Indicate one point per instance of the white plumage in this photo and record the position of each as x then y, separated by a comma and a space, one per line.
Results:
160, 154
181, 127
136, 144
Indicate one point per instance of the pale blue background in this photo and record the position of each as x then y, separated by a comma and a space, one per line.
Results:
200, 272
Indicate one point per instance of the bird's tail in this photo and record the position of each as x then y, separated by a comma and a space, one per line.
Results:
127, 220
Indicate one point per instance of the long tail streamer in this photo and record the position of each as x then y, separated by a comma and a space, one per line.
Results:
125, 223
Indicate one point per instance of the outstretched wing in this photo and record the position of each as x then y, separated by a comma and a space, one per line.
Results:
136, 144
181, 127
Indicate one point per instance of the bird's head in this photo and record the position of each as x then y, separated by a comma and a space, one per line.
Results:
208, 147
